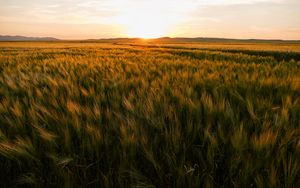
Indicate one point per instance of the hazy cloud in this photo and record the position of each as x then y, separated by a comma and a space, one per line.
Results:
249, 18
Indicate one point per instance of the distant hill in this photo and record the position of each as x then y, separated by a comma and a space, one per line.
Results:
188, 40
23, 38
162, 39
203, 39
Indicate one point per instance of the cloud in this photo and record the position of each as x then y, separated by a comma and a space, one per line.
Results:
235, 2
194, 17
102, 11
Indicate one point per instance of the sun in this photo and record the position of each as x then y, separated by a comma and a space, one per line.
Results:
147, 27
146, 24
150, 19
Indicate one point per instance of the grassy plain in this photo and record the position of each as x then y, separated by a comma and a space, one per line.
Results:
149, 114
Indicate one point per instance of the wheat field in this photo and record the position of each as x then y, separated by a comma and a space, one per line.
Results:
146, 114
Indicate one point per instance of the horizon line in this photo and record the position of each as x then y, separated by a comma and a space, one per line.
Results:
163, 37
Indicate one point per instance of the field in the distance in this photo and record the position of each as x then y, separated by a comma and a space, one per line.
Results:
149, 114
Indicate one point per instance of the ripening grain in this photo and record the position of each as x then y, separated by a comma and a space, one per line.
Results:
135, 115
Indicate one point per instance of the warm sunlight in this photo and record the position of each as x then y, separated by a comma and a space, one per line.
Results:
151, 19
149, 93
146, 25
82, 19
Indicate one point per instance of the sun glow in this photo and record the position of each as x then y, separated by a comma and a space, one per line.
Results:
153, 19
146, 25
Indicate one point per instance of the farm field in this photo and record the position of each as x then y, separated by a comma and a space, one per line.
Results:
149, 114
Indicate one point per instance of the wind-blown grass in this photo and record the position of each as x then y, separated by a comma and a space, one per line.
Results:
133, 116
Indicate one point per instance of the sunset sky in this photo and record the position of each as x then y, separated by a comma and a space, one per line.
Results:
83, 19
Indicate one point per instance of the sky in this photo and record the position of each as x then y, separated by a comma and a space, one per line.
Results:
86, 19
